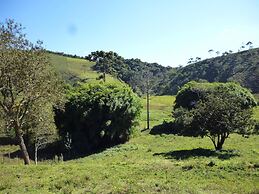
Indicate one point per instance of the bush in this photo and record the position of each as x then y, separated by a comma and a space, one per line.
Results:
97, 116
214, 110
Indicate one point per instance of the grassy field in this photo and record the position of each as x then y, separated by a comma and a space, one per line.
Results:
145, 164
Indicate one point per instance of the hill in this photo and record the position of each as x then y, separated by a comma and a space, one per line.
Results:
241, 67
74, 69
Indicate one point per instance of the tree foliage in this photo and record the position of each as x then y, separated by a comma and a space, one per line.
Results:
27, 82
214, 110
97, 116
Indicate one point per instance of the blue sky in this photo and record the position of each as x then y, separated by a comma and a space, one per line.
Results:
168, 32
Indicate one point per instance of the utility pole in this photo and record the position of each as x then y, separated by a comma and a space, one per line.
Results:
148, 76
148, 102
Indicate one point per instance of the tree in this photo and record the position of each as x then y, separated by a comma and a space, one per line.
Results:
104, 62
249, 44
26, 80
97, 116
198, 59
210, 51
225, 53
214, 110
190, 60
41, 130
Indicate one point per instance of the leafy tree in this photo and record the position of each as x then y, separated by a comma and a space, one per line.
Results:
41, 129
26, 81
249, 44
104, 61
97, 116
210, 51
214, 110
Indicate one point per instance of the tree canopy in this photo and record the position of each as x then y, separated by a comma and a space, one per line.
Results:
97, 116
27, 81
214, 110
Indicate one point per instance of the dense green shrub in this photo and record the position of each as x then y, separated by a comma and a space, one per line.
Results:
214, 110
97, 116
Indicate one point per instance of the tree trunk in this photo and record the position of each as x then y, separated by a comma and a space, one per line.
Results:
218, 147
221, 140
218, 141
23, 148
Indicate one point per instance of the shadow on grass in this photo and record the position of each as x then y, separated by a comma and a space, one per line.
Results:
47, 153
164, 128
198, 152
53, 151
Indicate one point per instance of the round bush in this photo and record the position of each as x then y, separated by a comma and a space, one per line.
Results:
97, 116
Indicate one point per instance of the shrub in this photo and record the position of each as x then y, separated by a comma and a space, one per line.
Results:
97, 116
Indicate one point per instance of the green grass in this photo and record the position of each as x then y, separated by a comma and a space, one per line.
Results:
78, 68
160, 110
145, 164
256, 113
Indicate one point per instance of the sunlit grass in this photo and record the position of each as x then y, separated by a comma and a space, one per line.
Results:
256, 113
74, 67
160, 110
146, 164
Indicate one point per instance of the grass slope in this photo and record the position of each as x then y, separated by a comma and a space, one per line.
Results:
145, 164
75, 69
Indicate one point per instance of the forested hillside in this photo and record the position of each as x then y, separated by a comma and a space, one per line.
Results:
242, 67
132, 71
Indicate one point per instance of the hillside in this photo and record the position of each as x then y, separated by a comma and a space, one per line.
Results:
242, 67
74, 69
